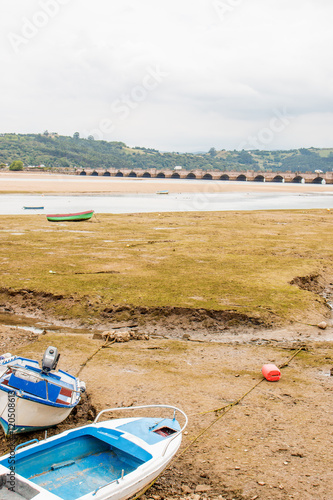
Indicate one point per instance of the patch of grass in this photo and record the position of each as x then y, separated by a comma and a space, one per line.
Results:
226, 261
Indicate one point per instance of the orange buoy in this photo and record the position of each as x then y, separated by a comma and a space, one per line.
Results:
271, 372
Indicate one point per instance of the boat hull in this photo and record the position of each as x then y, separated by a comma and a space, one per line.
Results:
111, 460
75, 217
31, 399
28, 415
33, 208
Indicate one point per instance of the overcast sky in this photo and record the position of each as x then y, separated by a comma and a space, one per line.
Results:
175, 75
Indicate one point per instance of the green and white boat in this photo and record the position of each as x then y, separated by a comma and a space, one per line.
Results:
70, 217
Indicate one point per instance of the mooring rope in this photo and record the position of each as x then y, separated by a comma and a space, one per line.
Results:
225, 410
106, 344
234, 403
292, 357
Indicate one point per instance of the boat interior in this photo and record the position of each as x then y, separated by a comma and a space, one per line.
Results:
50, 388
97, 455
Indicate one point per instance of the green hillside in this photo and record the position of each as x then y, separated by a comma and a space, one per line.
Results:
54, 151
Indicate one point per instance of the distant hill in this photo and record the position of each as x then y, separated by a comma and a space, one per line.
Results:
55, 151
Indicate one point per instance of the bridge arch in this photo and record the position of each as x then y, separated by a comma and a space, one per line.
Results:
160, 175
259, 178
191, 175
83, 172
224, 177
298, 180
241, 177
146, 174
278, 178
175, 175
94, 173
132, 174
318, 180
106, 174
207, 177
119, 174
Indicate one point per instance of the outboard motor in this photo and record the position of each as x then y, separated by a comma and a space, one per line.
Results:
50, 359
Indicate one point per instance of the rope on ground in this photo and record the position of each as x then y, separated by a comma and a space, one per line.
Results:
234, 403
106, 344
292, 357
225, 410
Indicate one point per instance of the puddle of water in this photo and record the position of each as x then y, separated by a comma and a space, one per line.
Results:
35, 326
32, 329
67, 330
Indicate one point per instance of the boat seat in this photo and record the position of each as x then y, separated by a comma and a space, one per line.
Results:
35, 388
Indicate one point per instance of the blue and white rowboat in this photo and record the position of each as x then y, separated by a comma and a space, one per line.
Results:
111, 460
32, 397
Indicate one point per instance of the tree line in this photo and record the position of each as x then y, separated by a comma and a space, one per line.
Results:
53, 151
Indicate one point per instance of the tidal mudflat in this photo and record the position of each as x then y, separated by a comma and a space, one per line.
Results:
214, 296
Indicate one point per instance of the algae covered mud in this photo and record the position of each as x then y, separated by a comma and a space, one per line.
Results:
216, 270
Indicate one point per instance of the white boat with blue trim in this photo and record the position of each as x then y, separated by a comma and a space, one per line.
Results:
34, 397
110, 460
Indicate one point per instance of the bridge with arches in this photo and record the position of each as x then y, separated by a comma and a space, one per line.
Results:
248, 175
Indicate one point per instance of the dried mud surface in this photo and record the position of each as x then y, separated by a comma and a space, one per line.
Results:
275, 444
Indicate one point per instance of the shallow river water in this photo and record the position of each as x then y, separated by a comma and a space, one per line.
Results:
13, 204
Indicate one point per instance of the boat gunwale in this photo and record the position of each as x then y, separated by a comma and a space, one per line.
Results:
97, 431
174, 408
98, 427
